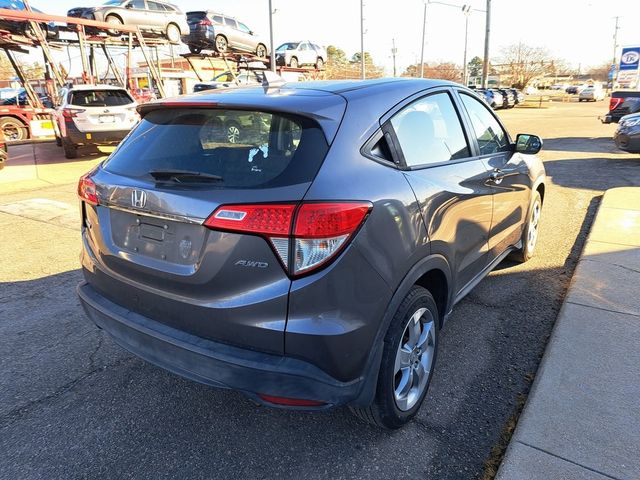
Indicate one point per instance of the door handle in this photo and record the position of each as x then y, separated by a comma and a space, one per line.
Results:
496, 176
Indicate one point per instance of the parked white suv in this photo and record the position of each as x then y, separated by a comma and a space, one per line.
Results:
93, 115
296, 54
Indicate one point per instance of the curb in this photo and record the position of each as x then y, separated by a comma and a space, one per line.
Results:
582, 417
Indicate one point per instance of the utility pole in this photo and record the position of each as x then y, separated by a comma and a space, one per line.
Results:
394, 50
363, 74
614, 59
424, 31
272, 54
466, 9
485, 60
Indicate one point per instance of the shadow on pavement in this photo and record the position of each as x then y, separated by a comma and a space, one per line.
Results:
581, 144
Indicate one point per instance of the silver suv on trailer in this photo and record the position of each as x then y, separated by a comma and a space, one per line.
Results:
155, 15
296, 54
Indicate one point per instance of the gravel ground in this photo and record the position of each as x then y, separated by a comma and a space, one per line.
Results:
74, 405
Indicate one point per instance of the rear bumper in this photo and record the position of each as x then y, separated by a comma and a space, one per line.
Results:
214, 363
77, 137
200, 37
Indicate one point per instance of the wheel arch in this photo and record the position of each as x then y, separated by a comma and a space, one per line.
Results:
113, 14
429, 272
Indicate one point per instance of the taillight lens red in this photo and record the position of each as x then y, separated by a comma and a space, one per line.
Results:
614, 103
313, 232
206, 22
70, 113
87, 190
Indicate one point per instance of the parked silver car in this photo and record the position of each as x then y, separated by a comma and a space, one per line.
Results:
210, 30
155, 15
295, 54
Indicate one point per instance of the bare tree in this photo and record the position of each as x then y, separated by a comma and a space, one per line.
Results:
601, 72
442, 70
523, 63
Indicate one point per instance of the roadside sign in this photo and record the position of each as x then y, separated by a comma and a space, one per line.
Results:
630, 58
612, 72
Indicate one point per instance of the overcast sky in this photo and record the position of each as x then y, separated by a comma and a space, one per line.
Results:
580, 31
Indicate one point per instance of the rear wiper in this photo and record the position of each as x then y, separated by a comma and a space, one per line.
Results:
182, 176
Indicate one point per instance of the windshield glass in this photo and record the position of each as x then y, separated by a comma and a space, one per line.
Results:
114, 2
246, 149
287, 46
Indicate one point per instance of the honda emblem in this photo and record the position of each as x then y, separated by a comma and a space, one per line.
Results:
138, 198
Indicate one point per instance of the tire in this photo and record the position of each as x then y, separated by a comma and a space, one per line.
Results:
70, 150
233, 132
319, 63
195, 50
13, 129
398, 397
294, 62
261, 51
530, 232
173, 33
115, 21
58, 141
221, 44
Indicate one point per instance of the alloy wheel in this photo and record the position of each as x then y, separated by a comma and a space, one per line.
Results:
414, 359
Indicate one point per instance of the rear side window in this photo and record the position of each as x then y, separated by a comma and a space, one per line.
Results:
231, 22
217, 19
100, 98
247, 149
429, 131
490, 135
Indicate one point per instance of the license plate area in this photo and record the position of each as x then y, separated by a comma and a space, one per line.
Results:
106, 119
157, 238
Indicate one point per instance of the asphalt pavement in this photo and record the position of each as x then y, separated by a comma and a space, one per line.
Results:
75, 405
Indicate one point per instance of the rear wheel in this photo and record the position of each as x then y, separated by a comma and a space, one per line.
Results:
116, 22
70, 149
194, 49
221, 44
173, 33
261, 51
294, 62
319, 63
408, 359
13, 129
530, 233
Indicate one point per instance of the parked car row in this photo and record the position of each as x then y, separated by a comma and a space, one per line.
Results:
498, 98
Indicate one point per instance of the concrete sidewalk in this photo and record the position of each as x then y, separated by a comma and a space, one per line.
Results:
582, 417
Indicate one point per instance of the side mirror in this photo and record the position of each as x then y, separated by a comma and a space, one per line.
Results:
129, 5
528, 144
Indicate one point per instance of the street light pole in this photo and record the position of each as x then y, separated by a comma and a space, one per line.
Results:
272, 55
466, 9
363, 74
394, 50
485, 60
424, 31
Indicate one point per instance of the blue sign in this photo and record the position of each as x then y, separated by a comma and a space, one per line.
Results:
630, 58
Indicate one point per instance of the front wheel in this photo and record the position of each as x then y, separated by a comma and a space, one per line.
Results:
319, 63
408, 360
233, 132
529, 238
294, 62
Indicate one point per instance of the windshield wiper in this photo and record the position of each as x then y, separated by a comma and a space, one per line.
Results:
184, 176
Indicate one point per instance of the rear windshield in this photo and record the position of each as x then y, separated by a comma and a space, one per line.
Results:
196, 16
100, 98
247, 149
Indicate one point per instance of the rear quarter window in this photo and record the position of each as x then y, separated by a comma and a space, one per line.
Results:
247, 149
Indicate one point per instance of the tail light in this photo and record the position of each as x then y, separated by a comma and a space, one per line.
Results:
70, 113
305, 237
206, 22
614, 103
87, 190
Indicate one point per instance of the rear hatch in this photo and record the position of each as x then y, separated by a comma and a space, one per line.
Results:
101, 110
147, 237
624, 103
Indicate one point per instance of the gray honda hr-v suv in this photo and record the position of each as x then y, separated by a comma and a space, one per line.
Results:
312, 262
